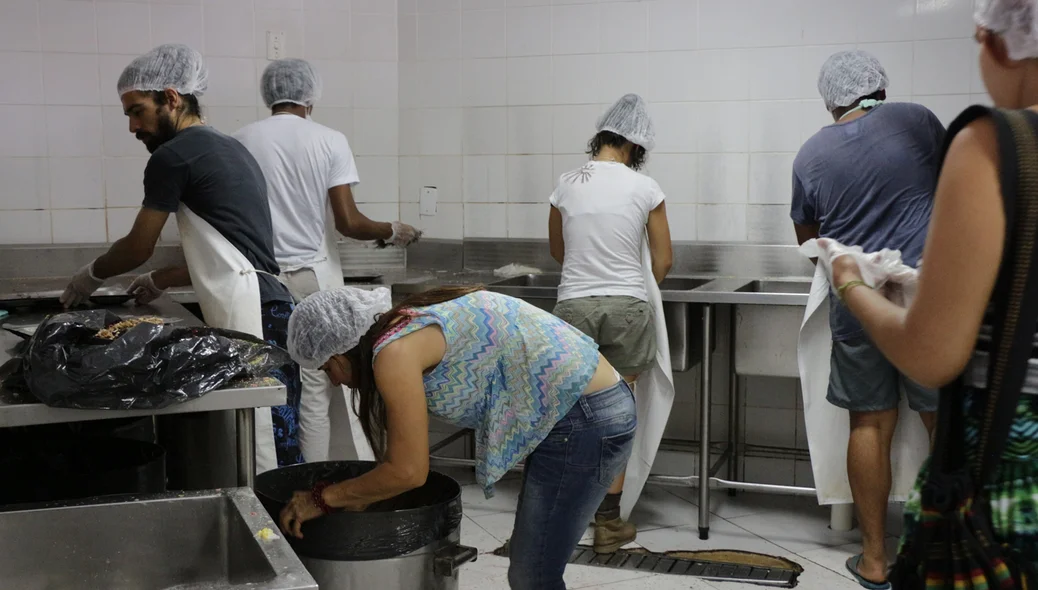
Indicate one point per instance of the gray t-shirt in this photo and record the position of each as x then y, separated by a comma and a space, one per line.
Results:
870, 183
219, 180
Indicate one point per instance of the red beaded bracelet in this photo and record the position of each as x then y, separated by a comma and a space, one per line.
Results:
317, 494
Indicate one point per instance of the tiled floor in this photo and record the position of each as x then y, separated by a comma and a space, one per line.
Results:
794, 528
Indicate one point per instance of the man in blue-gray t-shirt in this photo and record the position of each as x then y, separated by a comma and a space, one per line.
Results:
868, 180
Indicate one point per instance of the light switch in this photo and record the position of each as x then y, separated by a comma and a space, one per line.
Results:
275, 44
427, 201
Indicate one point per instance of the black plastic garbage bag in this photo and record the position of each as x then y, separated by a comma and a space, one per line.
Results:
149, 366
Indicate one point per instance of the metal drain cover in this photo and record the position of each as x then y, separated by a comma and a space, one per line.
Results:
708, 570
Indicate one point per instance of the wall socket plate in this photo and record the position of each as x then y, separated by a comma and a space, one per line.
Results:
275, 44
427, 200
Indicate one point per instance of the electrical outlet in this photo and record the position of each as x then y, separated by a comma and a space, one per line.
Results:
427, 201
275, 44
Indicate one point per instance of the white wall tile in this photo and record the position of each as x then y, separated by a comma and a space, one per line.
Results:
441, 132
770, 471
373, 37
74, 131
25, 227
528, 221
124, 181
21, 72
111, 67
723, 178
946, 106
439, 36
771, 178
672, 25
572, 127
721, 223
485, 179
769, 224
770, 427
673, 76
375, 132
675, 127
290, 22
337, 77
326, 34
884, 20
338, 118
116, 137
519, 3
410, 132
529, 81
380, 180
177, 24
25, 184
373, 6
481, 4
382, 211
447, 224
775, 126
677, 175
528, 31
486, 131
232, 82
682, 221
622, 73
942, 67
439, 83
530, 130
120, 221
20, 126
531, 179
943, 19
483, 83
431, 6
775, 73
623, 26
375, 85
20, 27
79, 226
575, 79
574, 29
407, 6
407, 38
123, 27
67, 26
482, 33
724, 75
486, 220
563, 163
443, 172
76, 183
827, 21
229, 28
723, 127
410, 174
71, 79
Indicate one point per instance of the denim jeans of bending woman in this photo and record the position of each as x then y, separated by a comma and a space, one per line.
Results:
565, 479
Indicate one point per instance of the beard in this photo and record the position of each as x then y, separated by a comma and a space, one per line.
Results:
164, 132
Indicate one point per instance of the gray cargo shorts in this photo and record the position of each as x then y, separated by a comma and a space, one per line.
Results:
622, 326
861, 379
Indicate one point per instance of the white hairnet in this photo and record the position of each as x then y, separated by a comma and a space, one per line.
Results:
331, 322
290, 80
1016, 21
167, 66
849, 75
629, 118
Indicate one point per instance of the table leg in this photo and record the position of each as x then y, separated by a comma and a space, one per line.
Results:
734, 405
704, 425
245, 421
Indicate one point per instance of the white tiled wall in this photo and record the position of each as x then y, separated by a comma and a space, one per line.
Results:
499, 97
71, 172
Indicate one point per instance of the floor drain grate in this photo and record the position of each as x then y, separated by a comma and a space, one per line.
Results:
667, 563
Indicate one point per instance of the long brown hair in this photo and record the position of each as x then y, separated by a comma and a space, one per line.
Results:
367, 402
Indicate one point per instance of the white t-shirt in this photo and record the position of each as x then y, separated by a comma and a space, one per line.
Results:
604, 206
300, 160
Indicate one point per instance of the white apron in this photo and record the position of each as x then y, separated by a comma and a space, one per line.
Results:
228, 293
654, 396
328, 428
828, 427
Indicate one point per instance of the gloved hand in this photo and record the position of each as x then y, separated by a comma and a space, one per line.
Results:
403, 235
82, 286
882, 270
144, 290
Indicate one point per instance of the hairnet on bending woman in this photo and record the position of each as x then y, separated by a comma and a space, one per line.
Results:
290, 81
534, 388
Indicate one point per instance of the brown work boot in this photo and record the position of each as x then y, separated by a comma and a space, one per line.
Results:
610, 535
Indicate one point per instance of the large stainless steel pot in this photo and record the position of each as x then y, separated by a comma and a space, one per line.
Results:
406, 543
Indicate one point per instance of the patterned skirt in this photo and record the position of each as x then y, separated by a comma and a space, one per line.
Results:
285, 418
1014, 493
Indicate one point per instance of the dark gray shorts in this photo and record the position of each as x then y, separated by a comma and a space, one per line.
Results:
861, 379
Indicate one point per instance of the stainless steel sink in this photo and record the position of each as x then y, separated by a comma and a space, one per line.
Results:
546, 281
180, 541
682, 283
766, 335
801, 287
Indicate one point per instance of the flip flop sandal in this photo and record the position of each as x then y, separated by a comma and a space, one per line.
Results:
852, 567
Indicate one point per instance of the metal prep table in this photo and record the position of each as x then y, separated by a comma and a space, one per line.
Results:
22, 410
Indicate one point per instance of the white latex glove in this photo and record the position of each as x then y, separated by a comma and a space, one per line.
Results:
403, 235
144, 290
81, 287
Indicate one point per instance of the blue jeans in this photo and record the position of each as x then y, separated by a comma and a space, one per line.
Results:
566, 478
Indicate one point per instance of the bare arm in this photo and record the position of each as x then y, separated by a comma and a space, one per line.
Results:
932, 341
555, 240
659, 242
135, 248
806, 232
172, 276
350, 222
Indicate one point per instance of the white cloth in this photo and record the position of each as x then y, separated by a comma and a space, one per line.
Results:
654, 395
228, 293
329, 430
301, 160
604, 206
828, 427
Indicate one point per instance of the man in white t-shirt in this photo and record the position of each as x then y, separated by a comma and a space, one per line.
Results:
309, 171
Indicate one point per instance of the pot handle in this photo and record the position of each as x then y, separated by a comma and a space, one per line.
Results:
450, 558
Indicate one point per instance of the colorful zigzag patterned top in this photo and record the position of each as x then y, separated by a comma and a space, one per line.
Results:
511, 372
